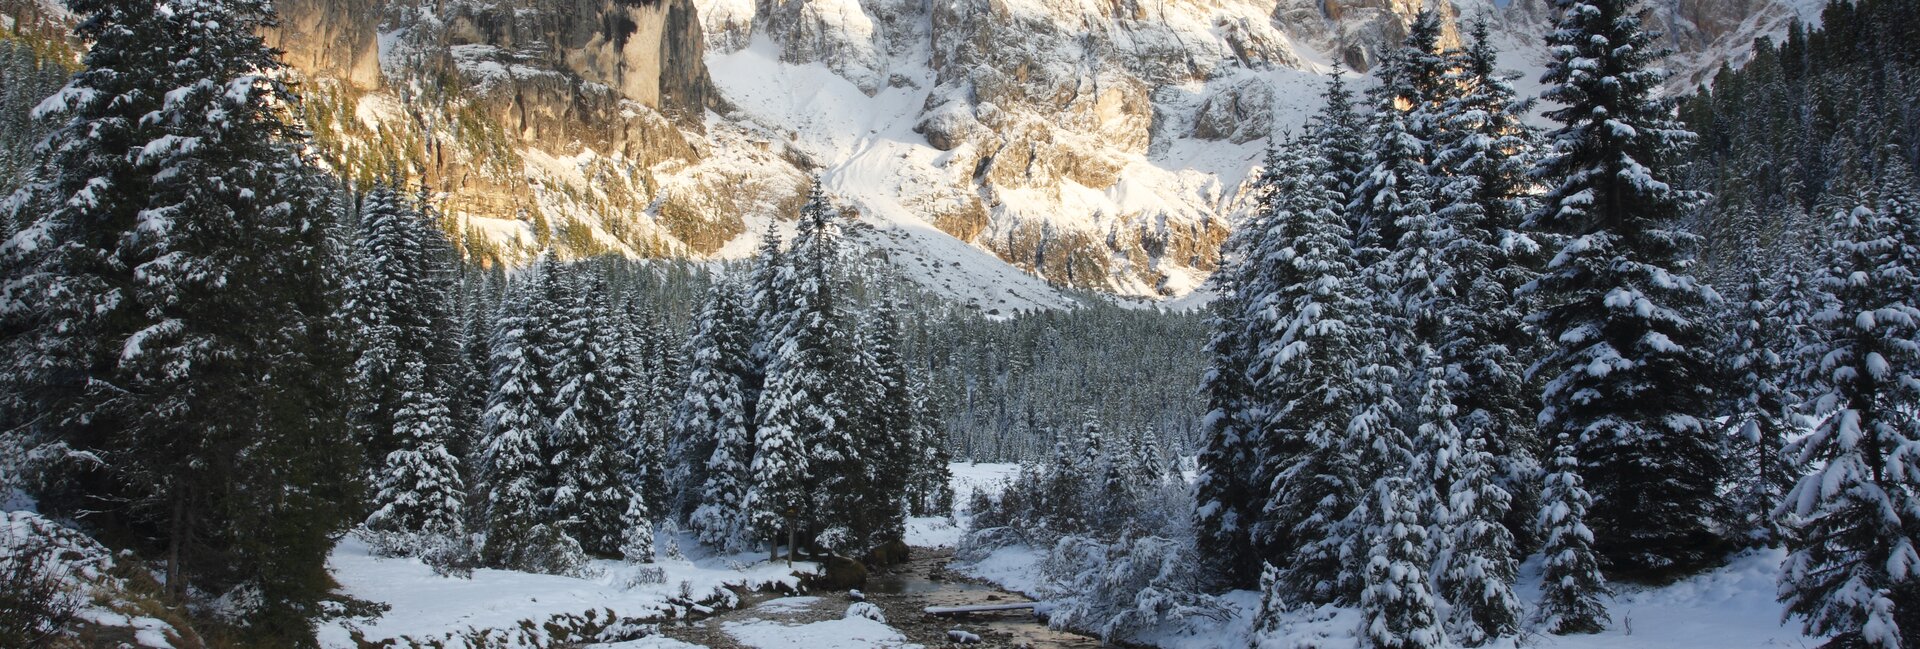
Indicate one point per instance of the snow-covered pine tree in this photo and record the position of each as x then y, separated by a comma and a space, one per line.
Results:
1436, 444
636, 530
766, 293
1395, 182
657, 398
514, 425
1307, 368
1851, 567
1761, 400
400, 301
169, 308
1226, 494
716, 408
638, 352
1340, 134
931, 487
1387, 529
585, 454
1399, 612
1477, 578
484, 289
1628, 373
1571, 585
888, 432
802, 424
420, 496
1482, 156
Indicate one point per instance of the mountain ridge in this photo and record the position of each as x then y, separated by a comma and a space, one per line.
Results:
1000, 148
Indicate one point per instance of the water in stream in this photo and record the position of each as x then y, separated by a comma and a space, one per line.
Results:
904, 592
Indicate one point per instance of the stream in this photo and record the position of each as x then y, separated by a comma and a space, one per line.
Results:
903, 592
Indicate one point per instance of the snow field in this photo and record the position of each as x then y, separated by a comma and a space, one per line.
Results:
424, 605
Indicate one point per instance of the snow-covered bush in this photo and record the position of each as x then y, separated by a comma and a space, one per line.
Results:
1126, 589
36, 601
448, 556
45, 572
545, 549
1088, 489
976, 544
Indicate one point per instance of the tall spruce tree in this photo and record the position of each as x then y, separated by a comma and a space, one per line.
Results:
801, 462
1761, 401
1628, 375
1395, 183
1311, 327
420, 495
885, 418
716, 408
931, 483
1225, 491
590, 494
1340, 133
1852, 521
169, 307
400, 302
1482, 153
401, 298
514, 425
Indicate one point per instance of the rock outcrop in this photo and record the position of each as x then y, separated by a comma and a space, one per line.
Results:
1094, 145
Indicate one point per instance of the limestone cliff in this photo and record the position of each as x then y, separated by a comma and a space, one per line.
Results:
1098, 145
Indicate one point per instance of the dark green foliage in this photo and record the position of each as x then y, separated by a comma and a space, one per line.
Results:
173, 321
1628, 375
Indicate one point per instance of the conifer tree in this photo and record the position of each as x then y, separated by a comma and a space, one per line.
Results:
1400, 612
1340, 134
1310, 366
1395, 184
1760, 408
401, 302
801, 461
1628, 374
887, 429
514, 425
636, 531
1850, 570
420, 493
1571, 585
1481, 565
584, 452
932, 478
716, 408
169, 309
1482, 155
1225, 491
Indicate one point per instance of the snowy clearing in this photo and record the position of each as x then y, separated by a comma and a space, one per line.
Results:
1731, 607
424, 605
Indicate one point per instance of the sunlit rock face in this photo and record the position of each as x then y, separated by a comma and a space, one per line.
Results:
1098, 145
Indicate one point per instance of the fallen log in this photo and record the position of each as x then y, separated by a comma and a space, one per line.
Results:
987, 608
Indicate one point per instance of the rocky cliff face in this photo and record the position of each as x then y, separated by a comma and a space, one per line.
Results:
1098, 145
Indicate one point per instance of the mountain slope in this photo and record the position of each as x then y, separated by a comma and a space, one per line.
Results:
999, 148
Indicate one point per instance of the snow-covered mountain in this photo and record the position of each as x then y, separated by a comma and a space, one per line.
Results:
999, 148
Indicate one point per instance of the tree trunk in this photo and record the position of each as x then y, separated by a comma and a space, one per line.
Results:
176, 536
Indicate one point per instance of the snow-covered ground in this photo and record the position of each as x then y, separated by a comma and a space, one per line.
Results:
425, 606
1732, 607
